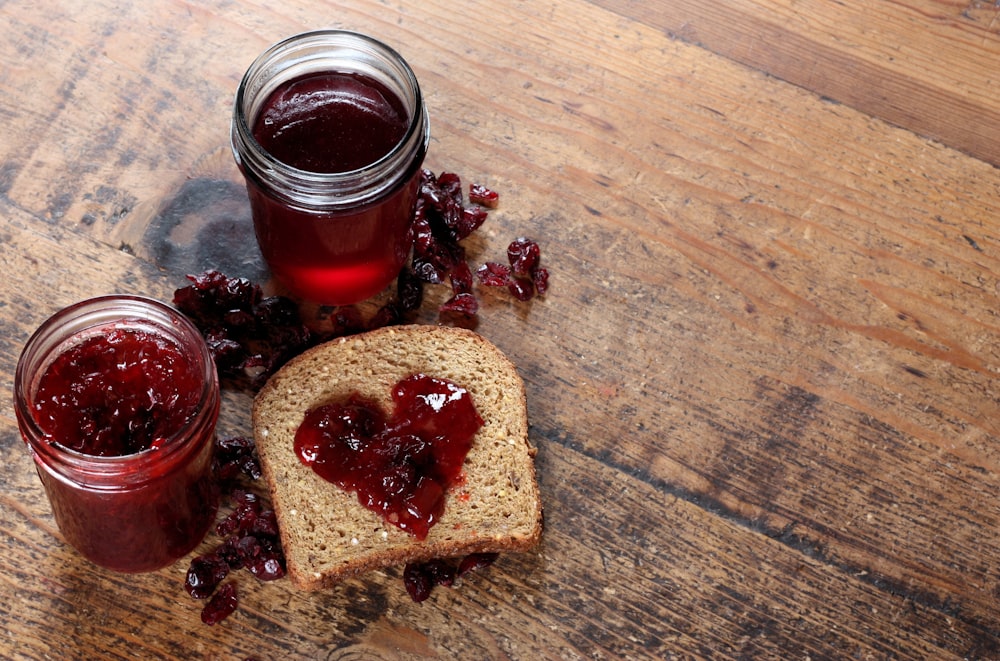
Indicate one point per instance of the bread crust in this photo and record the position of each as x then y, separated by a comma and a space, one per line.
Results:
326, 534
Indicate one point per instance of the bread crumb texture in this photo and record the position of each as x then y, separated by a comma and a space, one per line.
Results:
327, 535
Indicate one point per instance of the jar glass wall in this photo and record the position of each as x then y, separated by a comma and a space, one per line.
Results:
330, 131
96, 368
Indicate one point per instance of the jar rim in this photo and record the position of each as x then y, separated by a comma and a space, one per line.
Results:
74, 323
322, 189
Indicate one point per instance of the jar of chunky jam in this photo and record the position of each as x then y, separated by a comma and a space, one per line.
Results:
330, 131
117, 399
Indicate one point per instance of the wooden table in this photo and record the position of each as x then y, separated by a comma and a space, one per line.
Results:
762, 386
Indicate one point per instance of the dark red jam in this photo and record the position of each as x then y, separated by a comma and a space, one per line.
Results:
118, 393
334, 123
138, 409
400, 465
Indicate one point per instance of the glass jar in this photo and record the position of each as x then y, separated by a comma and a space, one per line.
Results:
330, 131
128, 512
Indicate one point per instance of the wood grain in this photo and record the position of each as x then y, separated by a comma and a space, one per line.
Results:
762, 385
926, 65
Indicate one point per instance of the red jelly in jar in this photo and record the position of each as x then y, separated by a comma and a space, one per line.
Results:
330, 131
117, 398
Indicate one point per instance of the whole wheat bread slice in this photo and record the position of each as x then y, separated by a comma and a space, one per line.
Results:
326, 534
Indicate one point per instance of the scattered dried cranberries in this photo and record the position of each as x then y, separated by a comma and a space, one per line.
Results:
524, 278
442, 220
421, 578
250, 531
234, 457
249, 336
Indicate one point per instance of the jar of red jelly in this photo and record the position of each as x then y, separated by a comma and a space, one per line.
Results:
117, 398
330, 131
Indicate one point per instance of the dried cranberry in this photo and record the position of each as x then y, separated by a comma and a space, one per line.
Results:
475, 562
243, 516
441, 571
427, 271
439, 223
464, 304
434, 265
248, 548
418, 584
463, 301
524, 278
521, 289
212, 295
423, 233
346, 320
267, 565
483, 196
230, 552
445, 197
265, 525
253, 538
421, 578
246, 498
250, 531
233, 457
238, 319
205, 574
442, 221
410, 290
493, 274
389, 314
221, 606
470, 220
523, 255
227, 353
461, 279
277, 312
541, 279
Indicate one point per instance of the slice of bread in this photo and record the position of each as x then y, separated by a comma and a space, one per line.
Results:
326, 534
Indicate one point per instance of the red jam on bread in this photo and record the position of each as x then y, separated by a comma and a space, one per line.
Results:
400, 465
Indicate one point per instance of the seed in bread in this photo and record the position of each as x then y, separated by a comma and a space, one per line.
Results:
327, 535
